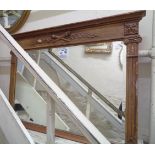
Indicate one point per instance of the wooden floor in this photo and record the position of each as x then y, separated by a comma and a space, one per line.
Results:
40, 138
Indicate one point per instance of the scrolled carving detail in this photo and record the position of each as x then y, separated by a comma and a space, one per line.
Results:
132, 39
131, 28
65, 37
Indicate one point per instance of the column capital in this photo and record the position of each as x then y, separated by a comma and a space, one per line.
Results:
132, 39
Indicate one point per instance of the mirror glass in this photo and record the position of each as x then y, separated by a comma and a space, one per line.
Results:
93, 76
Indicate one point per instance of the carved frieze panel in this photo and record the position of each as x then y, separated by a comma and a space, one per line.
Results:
66, 37
73, 37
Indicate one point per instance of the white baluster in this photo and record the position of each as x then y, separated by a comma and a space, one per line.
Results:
88, 106
38, 61
50, 121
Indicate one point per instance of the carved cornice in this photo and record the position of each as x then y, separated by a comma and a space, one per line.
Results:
122, 18
131, 28
132, 39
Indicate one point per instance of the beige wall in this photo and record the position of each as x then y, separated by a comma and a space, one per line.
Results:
4, 68
4, 51
154, 30
5, 77
102, 71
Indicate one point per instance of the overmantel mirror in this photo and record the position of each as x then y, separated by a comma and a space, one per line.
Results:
95, 63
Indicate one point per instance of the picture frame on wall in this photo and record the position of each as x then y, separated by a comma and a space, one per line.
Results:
99, 48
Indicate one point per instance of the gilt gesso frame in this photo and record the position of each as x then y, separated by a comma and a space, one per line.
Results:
124, 27
19, 22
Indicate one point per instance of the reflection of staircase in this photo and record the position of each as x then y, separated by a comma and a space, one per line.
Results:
70, 125
34, 104
102, 117
40, 138
58, 96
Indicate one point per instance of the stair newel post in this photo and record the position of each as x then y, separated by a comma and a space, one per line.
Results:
13, 71
131, 113
50, 121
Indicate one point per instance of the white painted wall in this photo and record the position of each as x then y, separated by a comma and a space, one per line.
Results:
5, 76
4, 50
11, 126
102, 71
154, 29
66, 18
144, 87
4, 68
4, 80
146, 30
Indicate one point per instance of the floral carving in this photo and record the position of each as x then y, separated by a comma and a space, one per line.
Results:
81, 35
130, 28
133, 39
66, 37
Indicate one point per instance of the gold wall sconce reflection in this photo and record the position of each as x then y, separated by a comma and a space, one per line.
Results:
99, 48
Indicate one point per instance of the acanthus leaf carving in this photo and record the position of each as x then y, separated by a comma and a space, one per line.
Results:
132, 39
131, 28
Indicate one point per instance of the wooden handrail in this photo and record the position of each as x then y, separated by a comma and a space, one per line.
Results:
93, 101
88, 85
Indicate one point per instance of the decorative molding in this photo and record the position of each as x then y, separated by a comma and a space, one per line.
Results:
132, 39
54, 38
65, 37
131, 28
82, 35
132, 46
122, 18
